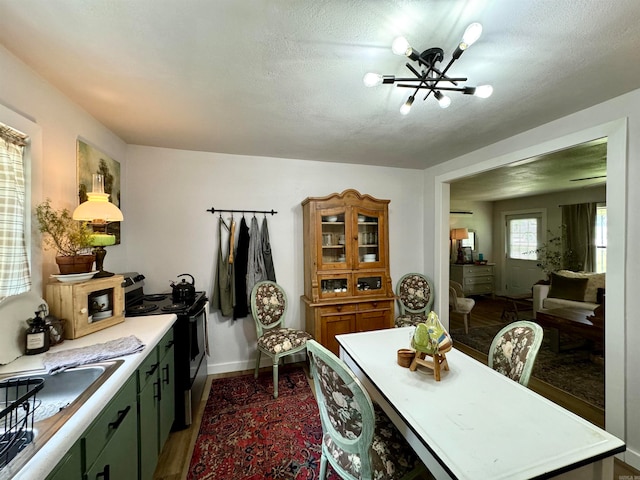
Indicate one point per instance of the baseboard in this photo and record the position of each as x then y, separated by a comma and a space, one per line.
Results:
241, 366
632, 458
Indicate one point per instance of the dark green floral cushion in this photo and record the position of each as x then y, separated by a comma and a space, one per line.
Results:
270, 303
391, 457
410, 320
414, 292
511, 351
282, 340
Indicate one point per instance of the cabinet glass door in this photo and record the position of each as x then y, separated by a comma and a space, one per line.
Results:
334, 285
333, 239
369, 238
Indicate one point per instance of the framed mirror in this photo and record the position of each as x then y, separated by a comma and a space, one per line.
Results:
472, 241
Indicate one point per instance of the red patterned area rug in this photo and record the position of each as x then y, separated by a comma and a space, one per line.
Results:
246, 434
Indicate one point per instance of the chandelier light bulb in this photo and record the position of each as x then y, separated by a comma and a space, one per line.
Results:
444, 101
483, 91
406, 107
372, 79
400, 46
471, 35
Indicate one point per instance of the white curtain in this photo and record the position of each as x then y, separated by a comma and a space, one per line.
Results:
15, 277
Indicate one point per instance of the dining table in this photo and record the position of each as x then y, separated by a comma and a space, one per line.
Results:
475, 423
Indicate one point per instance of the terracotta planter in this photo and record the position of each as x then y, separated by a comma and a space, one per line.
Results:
77, 264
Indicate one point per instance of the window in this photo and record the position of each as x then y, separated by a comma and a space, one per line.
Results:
601, 238
523, 236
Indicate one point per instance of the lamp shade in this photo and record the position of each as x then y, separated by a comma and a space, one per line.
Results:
459, 234
98, 209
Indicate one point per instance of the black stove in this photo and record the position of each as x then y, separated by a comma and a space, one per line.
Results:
189, 337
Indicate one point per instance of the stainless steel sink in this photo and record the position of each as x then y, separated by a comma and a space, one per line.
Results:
61, 395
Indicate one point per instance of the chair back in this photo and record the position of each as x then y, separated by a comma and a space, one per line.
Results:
268, 306
415, 294
346, 411
514, 349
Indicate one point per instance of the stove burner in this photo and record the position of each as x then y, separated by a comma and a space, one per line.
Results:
155, 297
174, 307
142, 309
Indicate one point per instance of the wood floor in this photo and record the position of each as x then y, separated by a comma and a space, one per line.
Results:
176, 456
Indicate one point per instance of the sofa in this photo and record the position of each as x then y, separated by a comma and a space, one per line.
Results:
579, 290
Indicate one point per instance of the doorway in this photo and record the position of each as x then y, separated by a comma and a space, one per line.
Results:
483, 160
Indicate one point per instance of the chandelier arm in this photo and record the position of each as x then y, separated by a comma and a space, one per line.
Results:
439, 79
450, 89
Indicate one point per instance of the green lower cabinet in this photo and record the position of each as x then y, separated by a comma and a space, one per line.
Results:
70, 467
111, 443
156, 403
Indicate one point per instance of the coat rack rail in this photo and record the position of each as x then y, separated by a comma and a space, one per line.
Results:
213, 210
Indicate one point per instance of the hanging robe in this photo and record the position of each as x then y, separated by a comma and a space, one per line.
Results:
255, 266
223, 292
266, 252
241, 308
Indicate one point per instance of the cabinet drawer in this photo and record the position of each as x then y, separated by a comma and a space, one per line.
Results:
479, 280
472, 271
121, 407
336, 309
479, 289
148, 369
376, 305
165, 344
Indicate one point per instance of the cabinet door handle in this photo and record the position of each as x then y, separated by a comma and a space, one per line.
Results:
168, 345
104, 473
157, 390
152, 370
119, 420
166, 378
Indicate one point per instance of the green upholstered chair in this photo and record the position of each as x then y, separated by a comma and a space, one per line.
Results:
514, 349
269, 308
415, 298
359, 440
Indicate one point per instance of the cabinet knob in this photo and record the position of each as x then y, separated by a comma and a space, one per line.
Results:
83, 310
375, 304
339, 308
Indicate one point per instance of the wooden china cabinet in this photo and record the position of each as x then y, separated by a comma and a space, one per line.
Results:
347, 285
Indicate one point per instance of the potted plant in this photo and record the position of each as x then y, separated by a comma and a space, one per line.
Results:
70, 238
553, 255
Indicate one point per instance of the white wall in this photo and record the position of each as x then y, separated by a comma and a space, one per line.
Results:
62, 123
619, 119
169, 231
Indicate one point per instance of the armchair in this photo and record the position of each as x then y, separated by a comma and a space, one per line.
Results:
460, 304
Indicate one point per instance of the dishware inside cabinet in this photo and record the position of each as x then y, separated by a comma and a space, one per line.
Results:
87, 306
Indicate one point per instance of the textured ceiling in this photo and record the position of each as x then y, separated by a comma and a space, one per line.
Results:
283, 78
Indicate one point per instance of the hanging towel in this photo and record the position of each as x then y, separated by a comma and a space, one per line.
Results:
223, 293
59, 361
266, 252
255, 266
241, 308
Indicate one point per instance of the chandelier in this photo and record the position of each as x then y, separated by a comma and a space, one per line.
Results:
427, 74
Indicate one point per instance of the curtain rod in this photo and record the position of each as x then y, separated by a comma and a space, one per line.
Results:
213, 210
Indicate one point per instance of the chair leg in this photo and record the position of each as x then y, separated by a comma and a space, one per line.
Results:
255, 373
275, 379
323, 467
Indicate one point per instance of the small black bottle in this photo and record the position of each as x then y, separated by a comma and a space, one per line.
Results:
37, 335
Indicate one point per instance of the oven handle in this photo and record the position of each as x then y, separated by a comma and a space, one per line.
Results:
192, 318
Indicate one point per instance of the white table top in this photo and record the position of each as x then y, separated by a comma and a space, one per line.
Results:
477, 423
149, 329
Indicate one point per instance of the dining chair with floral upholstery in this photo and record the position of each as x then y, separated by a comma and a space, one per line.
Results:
415, 298
358, 439
269, 309
514, 349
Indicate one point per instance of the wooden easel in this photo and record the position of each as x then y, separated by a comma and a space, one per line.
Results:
436, 361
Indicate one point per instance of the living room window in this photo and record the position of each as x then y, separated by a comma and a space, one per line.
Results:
601, 238
523, 232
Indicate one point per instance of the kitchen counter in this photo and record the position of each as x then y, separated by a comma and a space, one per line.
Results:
149, 329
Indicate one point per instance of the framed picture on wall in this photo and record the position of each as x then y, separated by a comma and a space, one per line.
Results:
468, 254
90, 160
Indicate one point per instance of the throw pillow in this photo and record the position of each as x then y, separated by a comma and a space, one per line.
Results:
596, 281
568, 288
